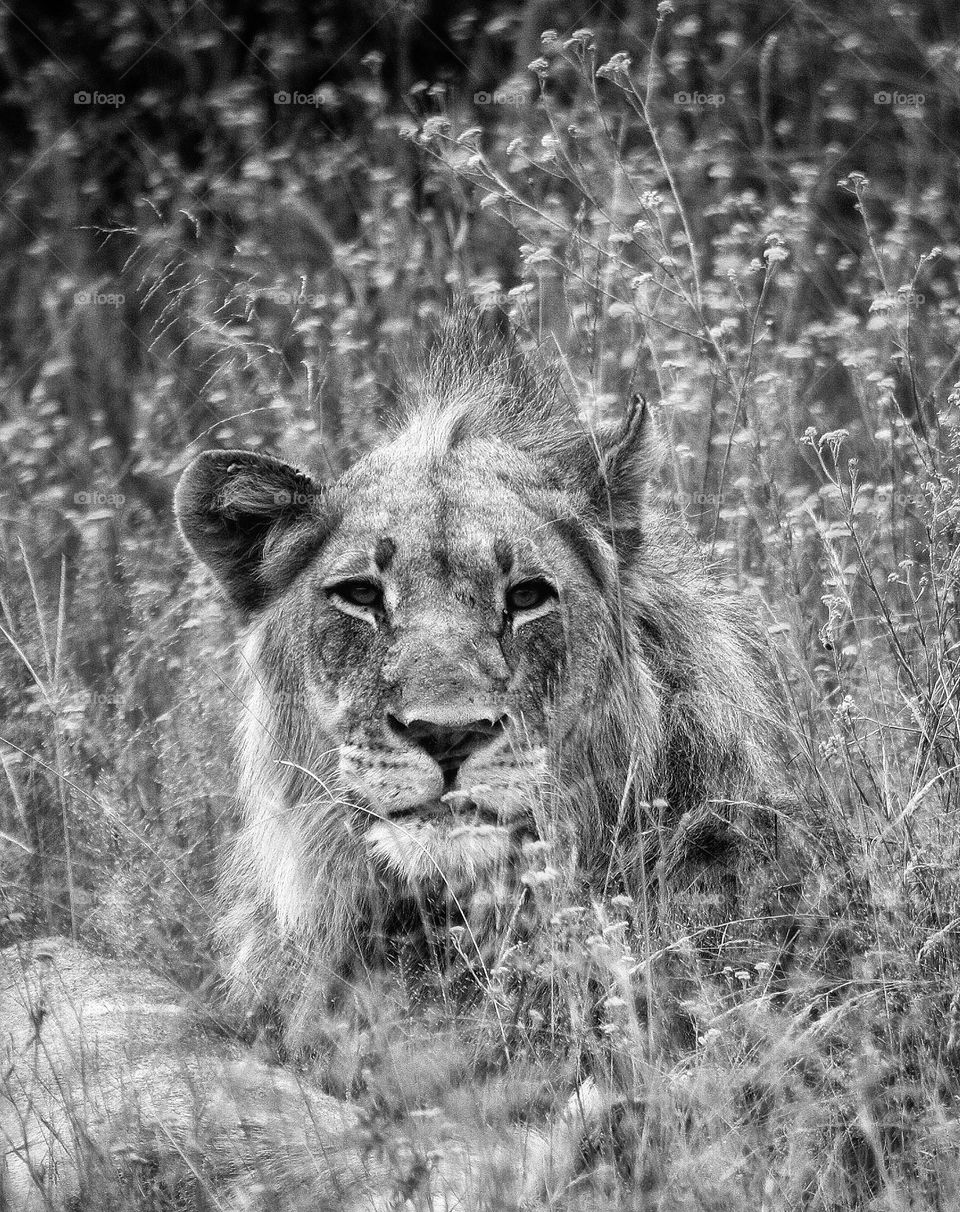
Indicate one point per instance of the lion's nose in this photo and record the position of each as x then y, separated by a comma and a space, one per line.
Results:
448, 745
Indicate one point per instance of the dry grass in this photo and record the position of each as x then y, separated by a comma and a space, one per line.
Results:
800, 342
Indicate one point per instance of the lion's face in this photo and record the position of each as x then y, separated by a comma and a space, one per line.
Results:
436, 621
440, 615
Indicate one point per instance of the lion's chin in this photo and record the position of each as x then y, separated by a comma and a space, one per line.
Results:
423, 849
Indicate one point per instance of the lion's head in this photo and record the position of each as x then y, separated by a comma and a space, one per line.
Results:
480, 633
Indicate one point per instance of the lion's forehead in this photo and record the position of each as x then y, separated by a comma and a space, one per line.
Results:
450, 516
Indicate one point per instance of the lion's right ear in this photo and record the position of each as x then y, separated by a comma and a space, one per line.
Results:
254, 520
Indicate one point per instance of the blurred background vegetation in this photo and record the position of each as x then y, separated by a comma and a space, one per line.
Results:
220, 223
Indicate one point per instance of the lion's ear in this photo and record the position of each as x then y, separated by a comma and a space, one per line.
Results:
254, 521
624, 459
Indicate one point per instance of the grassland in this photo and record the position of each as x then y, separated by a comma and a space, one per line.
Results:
753, 224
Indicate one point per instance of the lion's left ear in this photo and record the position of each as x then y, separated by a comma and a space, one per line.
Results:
624, 458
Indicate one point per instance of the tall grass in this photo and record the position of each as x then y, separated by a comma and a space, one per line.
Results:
793, 314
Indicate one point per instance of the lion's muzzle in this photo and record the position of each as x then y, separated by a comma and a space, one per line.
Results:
449, 744
456, 813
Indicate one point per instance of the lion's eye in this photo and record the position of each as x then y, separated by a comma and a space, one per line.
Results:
359, 593
528, 595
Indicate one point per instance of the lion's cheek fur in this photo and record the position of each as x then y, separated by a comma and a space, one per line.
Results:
346, 656
386, 780
538, 657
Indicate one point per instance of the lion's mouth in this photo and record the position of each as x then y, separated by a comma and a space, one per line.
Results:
454, 805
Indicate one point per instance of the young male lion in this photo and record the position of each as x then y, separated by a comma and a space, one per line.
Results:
485, 632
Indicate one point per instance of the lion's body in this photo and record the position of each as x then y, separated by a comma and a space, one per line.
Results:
636, 721
116, 1092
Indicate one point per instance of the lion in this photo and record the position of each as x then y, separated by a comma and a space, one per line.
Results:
485, 633
484, 639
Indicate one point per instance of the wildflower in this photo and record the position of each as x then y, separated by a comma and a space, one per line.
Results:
854, 182
433, 128
618, 64
534, 879
579, 39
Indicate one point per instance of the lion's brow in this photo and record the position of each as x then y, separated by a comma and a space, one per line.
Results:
384, 552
